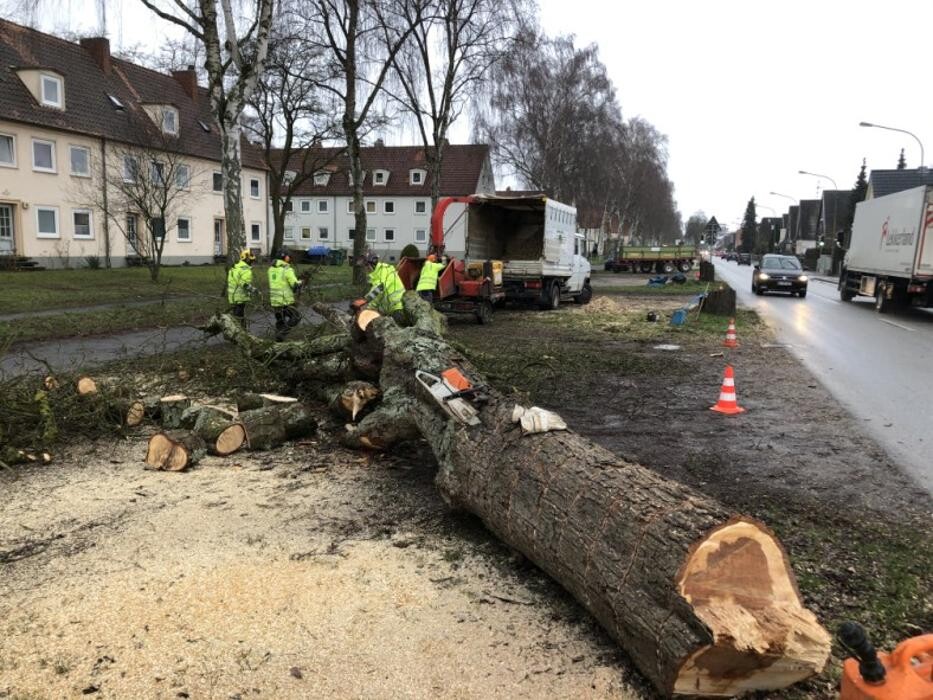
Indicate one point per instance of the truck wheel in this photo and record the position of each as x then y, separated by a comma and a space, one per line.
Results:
685, 266
645, 267
845, 293
584, 296
552, 298
484, 313
666, 268
882, 303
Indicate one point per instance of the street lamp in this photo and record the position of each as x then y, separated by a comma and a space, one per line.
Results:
903, 131
785, 196
825, 177
765, 206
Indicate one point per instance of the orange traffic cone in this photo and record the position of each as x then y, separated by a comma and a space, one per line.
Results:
731, 341
727, 402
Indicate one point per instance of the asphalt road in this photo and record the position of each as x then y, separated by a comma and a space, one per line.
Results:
880, 367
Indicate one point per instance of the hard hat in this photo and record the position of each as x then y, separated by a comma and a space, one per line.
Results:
432, 258
282, 254
246, 255
368, 259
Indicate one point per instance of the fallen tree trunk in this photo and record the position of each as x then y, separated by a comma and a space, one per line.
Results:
703, 601
265, 428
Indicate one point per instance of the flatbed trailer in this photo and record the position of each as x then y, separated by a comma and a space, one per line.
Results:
648, 259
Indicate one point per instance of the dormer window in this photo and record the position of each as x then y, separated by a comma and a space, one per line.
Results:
321, 178
289, 177
416, 177
380, 177
169, 121
50, 88
115, 103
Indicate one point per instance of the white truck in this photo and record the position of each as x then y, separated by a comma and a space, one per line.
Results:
544, 258
890, 253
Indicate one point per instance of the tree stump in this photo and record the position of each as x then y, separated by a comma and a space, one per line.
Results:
720, 301
174, 451
86, 386
172, 408
707, 271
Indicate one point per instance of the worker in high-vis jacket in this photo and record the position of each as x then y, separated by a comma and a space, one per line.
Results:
385, 294
427, 282
283, 286
240, 288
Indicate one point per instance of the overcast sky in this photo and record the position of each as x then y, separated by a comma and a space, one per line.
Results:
748, 93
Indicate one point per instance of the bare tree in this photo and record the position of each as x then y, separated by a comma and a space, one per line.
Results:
362, 39
289, 117
143, 190
234, 60
453, 46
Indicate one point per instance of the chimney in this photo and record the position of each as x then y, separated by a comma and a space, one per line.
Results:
379, 143
99, 48
188, 80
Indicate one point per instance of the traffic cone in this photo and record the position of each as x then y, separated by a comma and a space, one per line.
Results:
727, 402
731, 340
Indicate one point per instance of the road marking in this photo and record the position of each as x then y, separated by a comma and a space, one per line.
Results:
898, 325
829, 301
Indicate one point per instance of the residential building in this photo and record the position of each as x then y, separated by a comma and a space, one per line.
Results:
793, 216
882, 182
74, 120
396, 194
807, 222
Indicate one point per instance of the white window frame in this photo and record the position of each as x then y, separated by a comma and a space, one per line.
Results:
157, 173
423, 237
350, 206
305, 206
306, 230
90, 225
288, 233
370, 234
321, 178
131, 159
216, 190
385, 207
419, 173
51, 145
59, 83
322, 206
58, 227
166, 111
425, 203
385, 178
71, 149
255, 226
385, 235
367, 206
323, 233
190, 238
12, 137
258, 194
186, 183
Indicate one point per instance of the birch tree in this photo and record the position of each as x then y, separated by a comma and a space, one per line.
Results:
234, 59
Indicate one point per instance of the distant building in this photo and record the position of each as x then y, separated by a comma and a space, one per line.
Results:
396, 194
807, 225
883, 182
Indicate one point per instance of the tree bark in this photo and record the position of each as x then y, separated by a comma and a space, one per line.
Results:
720, 301
175, 450
703, 601
172, 408
209, 426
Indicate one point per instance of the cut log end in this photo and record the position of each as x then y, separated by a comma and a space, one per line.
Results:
174, 451
86, 386
135, 414
740, 585
230, 440
160, 448
365, 317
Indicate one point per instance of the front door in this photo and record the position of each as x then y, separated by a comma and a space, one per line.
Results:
218, 237
6, 229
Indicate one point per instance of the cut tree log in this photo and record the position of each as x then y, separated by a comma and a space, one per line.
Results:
720, 301
229, 440
269, 427
86, 386
349, 400
172, 408
211, 422
250, 402
138, 410
704, 601
175, 450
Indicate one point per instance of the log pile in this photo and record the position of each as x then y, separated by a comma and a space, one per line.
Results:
703, 600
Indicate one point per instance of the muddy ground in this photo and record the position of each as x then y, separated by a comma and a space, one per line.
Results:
314, 571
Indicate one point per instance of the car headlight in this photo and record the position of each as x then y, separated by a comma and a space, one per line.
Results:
764, 276
802, 278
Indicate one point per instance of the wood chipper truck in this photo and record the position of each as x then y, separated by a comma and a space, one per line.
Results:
518, 248
890, 252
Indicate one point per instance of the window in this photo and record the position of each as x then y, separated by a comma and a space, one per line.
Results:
322, 206
289, 206
306, 233
389, 234
323, 233
43, 156
306, 205
351, 234
169, 120
182, 177
350, 207
421, 235
51, 90
416, 177
158, 227
388, 207
254, 188
130, 169
321, 178
80, 161
115, 103
184, 229
82, 223
421, 207
370, 207
289, 233
370, 234
217, 182
47, 222
255, 233
132, 231
7, 151
157, 173
380, 177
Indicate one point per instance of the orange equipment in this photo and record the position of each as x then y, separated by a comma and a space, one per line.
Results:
904, 674
455, 379
727, 402
731, 339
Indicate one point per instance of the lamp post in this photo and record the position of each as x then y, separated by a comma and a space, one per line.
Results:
825, 177
785, 196
902, 131
821, 242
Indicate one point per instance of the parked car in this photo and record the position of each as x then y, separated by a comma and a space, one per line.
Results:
728, 255
744, 259
779, 273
